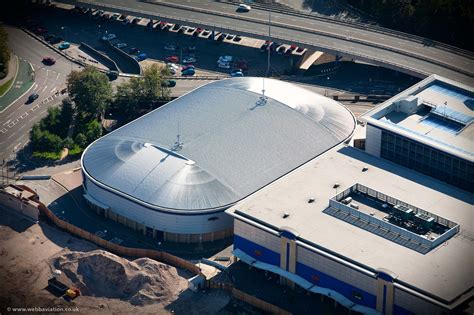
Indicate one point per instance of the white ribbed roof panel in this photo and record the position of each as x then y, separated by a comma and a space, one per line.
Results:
233, 144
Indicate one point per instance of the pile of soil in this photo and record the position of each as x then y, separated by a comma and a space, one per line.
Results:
102, 274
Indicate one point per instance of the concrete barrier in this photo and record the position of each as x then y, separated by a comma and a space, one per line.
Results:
134, 64
35, 177
105, 60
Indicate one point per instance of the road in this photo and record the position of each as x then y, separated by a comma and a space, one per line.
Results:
402, 54
19, 117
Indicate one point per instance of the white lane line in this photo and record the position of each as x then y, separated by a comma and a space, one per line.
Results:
57, 77
52, 91
7, 122
35, 87
23, 115
45, 87
16, 147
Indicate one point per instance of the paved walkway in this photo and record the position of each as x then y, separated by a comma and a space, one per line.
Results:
23, 83
12, 65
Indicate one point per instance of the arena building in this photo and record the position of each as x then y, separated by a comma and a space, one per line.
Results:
373, 235
173, 172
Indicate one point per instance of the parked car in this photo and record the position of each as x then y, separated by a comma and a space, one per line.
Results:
281, 50
299, 49
136, 20
189, 59
223, 64
241, 64
32, 97
141, 57
64, 45
55, 40
108, 37
173, 59
150, 24
188, 72
112, 75
115, 17
190, 49
121, 45
243, 8
105, 16
121, 17
172, 65
188, 67
229, 36
49, 61
126, 21
237, 38
134, 51
236, 73
39, 30
170, 47
226, 58
169, 83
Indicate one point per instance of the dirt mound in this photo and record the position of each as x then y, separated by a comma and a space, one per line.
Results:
102, 274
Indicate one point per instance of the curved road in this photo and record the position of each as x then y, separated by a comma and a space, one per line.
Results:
18, 118
402, 54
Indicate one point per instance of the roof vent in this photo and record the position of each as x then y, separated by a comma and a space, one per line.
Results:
286, 215
336, 185
311, 200
365, 169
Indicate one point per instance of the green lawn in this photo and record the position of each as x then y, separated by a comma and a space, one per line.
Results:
47, 155
5, 86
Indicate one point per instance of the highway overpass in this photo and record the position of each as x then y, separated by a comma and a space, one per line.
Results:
407, 54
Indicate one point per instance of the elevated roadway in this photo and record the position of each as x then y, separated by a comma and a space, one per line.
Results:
404, 54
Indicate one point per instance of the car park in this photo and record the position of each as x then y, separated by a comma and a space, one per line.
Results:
169, 83
243, 8
173, 59
120, 45
108, 37
49, 61
32, 97
64, 45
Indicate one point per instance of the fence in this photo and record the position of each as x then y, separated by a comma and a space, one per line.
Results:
252, 300
118, 249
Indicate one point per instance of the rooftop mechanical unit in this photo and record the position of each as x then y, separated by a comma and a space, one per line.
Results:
425, 221
402, 212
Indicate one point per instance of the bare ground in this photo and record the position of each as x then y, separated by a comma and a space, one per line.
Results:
29, 253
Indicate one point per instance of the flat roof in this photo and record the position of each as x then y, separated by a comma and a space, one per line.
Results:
444, 272
436, 111
232, 141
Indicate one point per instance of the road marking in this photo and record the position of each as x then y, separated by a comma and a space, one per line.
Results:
36, 86
23, 115
7, 122
57, 76
3, 130
35, 107
45, 87
16, 147
53, 91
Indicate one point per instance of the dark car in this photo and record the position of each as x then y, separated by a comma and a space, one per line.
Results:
237, 38
168, 83
49, 61
112, 75
32, 97
55, 40
134, 51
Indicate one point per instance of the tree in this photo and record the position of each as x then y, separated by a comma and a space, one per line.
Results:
90, 90
68, 143
81, 140
93, 130
4, 52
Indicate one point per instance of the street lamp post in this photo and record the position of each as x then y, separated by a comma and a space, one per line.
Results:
269, 40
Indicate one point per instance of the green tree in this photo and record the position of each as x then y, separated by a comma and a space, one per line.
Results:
68, 143
4, 52
93, 131
90, 90
81, 140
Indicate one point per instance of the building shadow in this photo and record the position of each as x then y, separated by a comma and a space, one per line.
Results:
409, 174
15, 221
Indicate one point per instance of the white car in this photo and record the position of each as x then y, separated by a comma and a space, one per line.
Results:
172, 70
243, 8
172, 65
108, 37
225, 65
170, 47
225, 59
121, 45
189, 60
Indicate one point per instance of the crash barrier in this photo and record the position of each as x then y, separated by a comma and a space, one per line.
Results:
118, 249
134, 64
103, 59
35, 177
247, 298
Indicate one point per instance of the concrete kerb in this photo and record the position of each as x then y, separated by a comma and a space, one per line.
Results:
1, 111
14, 77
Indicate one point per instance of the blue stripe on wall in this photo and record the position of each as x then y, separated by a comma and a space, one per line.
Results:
312, 275
287, 256
256, 251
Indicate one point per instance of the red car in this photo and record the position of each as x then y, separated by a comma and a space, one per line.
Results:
40, 30
242, 64
172, 59
49, 61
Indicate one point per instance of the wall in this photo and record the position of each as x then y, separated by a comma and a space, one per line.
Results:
169, 223
26, 207
118, 249
405, 301
373, 139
